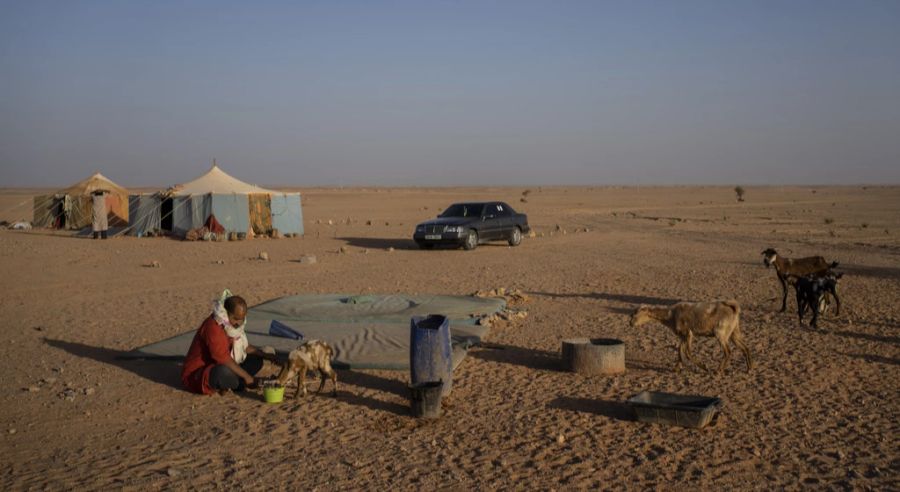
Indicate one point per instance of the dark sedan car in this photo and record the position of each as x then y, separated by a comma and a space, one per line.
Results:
469, 224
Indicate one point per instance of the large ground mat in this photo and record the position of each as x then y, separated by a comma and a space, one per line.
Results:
367, 332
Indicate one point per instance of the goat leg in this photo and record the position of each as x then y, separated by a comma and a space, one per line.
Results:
726, 357
334, 382
837, 300
784, 293
738, 340
322, 383
690, 352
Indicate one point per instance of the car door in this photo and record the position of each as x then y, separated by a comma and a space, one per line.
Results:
492, 221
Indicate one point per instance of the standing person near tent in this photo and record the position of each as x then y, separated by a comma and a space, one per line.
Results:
220, 357
99, 220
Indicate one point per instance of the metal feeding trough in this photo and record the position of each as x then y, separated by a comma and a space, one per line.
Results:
673, 409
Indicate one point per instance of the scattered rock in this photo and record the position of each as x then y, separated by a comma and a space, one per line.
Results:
391, 249
49, 380
12, 431
560, 439
31, 389
330, 222
558, 227
88, 391
532, 234
348, 221
153, 264
263, 256
343, 249
368, 222
172, 472
219, 262
365, 251
68, 394
307, 259
387, 223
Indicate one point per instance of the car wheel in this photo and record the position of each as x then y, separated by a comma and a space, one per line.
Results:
426, 246
471, 239
516, 237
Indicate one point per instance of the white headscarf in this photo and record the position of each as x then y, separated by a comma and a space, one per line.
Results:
220, 314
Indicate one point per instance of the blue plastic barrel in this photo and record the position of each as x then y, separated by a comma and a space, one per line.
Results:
429, 351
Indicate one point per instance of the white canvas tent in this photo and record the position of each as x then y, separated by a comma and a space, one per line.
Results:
236, 205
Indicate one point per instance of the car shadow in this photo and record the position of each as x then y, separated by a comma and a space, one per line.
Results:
616, 410
163, 372
379, 243
509, 354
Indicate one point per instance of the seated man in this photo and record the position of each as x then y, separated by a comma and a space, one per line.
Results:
220, 357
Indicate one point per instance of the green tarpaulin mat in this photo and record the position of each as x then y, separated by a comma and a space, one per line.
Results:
367, 332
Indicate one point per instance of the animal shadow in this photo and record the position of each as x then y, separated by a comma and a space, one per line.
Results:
159, 371
626, 298
373, 382
616, 410
869, 337
509, 354
873, 358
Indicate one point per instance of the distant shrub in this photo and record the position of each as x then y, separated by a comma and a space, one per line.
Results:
831, 233
739, 191
865, 225
829, 220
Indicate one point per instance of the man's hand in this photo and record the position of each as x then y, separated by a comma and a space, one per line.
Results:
250, 381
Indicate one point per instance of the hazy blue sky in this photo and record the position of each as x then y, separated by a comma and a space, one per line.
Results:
451, 92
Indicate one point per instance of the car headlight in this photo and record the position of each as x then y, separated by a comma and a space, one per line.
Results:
420, 228
456, 229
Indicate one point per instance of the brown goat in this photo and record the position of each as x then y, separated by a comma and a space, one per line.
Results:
313, 355
720, 319
800, 267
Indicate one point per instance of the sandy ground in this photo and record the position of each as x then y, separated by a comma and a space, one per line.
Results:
820, 408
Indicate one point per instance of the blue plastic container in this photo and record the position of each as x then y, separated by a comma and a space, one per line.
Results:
430, 351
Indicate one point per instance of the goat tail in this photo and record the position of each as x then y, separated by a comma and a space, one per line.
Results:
734, 305
330, 353
834, 264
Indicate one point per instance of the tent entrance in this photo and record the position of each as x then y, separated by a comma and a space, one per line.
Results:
165, 212
59, 212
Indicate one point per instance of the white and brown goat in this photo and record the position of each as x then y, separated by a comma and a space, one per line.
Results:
720, 319
313, 355
799, 267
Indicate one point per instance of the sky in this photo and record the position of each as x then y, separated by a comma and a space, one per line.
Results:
443, 93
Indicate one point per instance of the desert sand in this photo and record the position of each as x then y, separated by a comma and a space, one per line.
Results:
819, 409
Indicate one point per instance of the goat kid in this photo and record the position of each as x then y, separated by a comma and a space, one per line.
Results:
812, 291
313, 355
799, 267
720, 319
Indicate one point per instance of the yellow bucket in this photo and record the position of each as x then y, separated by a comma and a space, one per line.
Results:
273, 394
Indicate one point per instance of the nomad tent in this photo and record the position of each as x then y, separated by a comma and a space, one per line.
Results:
70, 208
234, 204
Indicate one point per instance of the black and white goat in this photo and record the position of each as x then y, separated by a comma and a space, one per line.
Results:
797, 267
811, 293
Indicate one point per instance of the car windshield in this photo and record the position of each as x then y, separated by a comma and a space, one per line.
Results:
464, 210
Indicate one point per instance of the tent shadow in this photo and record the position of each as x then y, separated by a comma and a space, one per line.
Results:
509, 354
160, 372
379, 243
616, 410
